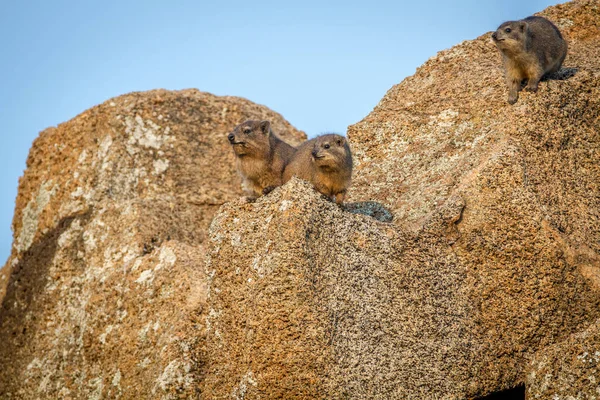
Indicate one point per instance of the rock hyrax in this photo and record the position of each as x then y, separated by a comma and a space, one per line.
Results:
326, 162
260, 156
531, 48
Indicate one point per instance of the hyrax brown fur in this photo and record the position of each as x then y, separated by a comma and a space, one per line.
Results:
531, 48
326, 162
260, 156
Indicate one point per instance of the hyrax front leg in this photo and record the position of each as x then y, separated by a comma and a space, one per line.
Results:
339, 198
535, 75
514, 84
268, 189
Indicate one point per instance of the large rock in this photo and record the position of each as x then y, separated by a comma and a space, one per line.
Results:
494, 253
307, 300
105, 287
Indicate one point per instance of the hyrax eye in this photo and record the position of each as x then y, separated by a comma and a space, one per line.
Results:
326, 146
507, 30
247, 131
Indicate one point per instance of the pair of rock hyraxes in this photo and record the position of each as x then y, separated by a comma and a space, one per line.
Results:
265, 161
531, 49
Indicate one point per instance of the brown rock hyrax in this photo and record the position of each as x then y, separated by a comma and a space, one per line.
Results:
531, 48
326, 162
260, 156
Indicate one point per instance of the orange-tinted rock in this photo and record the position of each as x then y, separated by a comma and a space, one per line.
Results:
568, 370
106, 292
487, 273
309, 301
492, 256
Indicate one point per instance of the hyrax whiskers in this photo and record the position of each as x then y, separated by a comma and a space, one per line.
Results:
326, 162
260, 156
531, 48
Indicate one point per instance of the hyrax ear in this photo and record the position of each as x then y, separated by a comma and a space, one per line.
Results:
523, 26
265, 127
340, 141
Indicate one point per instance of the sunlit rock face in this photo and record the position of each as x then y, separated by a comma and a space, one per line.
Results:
105, 291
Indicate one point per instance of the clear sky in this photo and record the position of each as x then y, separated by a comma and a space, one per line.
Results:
322, 64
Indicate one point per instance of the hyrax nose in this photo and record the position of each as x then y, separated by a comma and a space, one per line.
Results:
494, 36
231, 137
314, 153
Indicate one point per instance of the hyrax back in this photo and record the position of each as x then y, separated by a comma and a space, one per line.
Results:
531, 48
326, 162
260, 156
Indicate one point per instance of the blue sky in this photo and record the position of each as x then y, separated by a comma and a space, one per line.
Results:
322, 65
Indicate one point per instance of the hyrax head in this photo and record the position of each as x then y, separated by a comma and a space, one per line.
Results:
331, 150
250, 137
511, 35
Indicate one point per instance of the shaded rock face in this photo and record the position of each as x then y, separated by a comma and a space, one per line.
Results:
493, 254
105, 291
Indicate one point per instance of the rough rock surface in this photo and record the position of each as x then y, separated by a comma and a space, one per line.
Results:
569, 370
485, 277
309, 301
493, 254
105, 287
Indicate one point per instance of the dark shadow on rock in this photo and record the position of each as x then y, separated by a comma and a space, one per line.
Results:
517, 393
22, 301
371, 209
562, 75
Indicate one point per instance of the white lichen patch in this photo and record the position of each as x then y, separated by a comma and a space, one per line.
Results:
96, 386
160, 166
89, 241
82, 157
166, 258
144, 363
212, 315
236, 240
146, 277
136, 265
444, 119
34, 364
31, 214
106, 332
564, 23
117, 378
176, 373
143, 333
145, 133
261, 264
285, 204
240, 391
66, 238
104, 147
444, 55
77, 192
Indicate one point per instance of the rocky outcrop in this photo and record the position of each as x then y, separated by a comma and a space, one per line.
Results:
310, 301
493, 254
485, 273
105, 288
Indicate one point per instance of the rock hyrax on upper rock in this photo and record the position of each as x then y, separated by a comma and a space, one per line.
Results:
531, 48
260, 156
326, 162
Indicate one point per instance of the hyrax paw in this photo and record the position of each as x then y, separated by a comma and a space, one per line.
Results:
247, 199
268, 190
532, 89
512, 99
